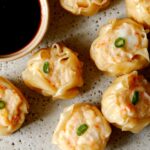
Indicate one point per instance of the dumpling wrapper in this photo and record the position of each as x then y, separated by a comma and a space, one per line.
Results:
84, 7
117, 105
16, 107
118, 61
65, 72
96, 136
139, 10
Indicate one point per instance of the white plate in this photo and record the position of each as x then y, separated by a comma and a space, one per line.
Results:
77, 33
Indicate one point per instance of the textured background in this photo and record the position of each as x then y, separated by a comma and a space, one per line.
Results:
77, 33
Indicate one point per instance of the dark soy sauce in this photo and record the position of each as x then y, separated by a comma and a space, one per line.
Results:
19, 23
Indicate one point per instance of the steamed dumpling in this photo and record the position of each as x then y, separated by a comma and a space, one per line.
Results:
126, 103
82, 127
13, 107
55, 72
121, 47
139, 10
84, 7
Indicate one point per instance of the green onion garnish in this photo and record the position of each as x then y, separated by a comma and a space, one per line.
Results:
46, 68
2, 104
82, 129
120, 42
135, 98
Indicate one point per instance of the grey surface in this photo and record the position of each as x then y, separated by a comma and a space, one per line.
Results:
77, 33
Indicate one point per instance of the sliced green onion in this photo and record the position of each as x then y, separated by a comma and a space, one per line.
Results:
46, 68
82, 129
2, 104
135, 98
120, 42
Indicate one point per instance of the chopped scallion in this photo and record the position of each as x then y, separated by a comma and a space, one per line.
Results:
46, 68
120, 42
2, 104
135, 98
82, 129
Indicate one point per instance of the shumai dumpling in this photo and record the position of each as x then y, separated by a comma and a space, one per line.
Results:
82, 127
55, 72
139, 10
121, 47
126, 103
13, 107
84, 7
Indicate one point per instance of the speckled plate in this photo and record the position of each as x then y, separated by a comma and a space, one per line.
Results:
77, 33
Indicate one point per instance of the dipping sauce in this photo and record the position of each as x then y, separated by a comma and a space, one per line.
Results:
19, 23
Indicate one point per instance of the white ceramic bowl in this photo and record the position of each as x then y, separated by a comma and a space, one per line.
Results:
37, 38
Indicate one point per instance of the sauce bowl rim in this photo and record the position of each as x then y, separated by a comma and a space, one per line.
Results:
36, 39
